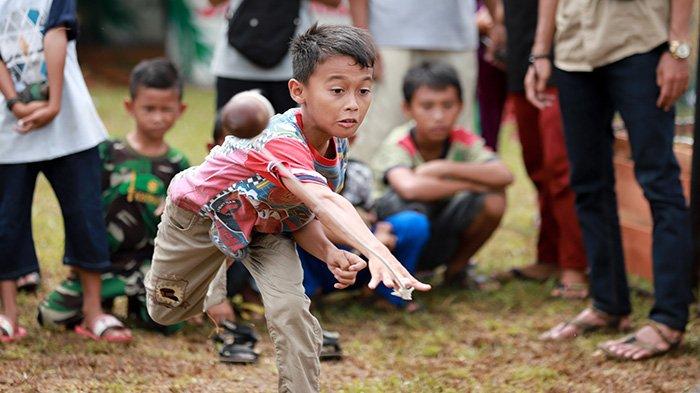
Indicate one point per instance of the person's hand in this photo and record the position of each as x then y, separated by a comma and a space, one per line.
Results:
383, 233
344, 265
381, 274
497, 45
21, 109
672, 77
536, 79
429, 168
37, 119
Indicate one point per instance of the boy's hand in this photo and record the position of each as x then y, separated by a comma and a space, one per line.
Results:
344, 265
381, 273
21, 110
37, 119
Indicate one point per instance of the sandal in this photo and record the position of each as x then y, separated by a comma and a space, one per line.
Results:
7, 331
29, 282
520, 274
102, 326
573, 291
330, 350
581, 326
634, 341
238, 343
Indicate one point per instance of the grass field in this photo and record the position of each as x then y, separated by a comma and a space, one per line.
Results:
463, 342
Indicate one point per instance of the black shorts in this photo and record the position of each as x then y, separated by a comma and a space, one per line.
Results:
448, 218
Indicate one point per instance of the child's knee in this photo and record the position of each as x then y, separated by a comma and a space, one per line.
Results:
494, 206
286, 310
167, 302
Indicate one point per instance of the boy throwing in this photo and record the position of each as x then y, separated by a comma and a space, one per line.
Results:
238, 204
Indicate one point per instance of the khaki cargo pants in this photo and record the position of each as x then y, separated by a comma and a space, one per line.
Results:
185, 262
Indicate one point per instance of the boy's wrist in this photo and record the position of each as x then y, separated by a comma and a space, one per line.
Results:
11, 102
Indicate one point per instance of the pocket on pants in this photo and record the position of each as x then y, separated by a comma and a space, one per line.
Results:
181, 220
168, 292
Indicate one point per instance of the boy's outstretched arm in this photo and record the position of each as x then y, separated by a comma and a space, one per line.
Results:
55, 48
344, 265
339, 216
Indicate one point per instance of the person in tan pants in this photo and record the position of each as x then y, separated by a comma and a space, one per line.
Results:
250, 197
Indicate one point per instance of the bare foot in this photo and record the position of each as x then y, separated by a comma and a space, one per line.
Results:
586, 321
651, 340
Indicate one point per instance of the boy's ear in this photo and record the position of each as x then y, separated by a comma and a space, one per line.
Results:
129, 105
406, 107
296, 90
183, 108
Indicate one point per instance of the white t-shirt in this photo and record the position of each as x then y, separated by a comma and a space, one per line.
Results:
77, 126
229, 63
426, 25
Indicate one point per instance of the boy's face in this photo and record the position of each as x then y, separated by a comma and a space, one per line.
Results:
434, 111
336, 96
155, 110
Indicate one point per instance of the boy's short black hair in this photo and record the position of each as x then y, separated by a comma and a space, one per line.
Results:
158, 73
433, 74
319, 43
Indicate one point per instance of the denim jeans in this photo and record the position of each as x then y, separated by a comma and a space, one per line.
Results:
588, 103
75, 180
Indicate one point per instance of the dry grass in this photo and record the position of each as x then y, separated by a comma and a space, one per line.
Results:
465, 341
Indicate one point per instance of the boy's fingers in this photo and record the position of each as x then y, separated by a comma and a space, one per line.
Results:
374, 281
340, 286
420, 286
357, 266
344, 274
388, 282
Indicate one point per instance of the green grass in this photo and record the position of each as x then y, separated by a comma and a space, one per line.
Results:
463, 342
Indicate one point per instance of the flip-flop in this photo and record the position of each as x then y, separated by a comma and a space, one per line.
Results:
7, 331
100, 326
581, 327
633, 340
573, 291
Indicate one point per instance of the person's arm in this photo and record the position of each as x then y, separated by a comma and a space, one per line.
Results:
339, 216
55, 47
491, 174
672, 75
7, 87
497, 34
359, 12
540, 71
413, 187
344, 265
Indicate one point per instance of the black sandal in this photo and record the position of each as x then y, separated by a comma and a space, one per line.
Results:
330, 350
237, 343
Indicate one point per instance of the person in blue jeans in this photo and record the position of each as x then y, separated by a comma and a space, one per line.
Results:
404, 233
634, 61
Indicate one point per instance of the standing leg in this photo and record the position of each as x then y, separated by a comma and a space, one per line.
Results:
569, 242
491, 92
17, 254
296, 334
632, 83
527, 118
76, 181
587, 111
